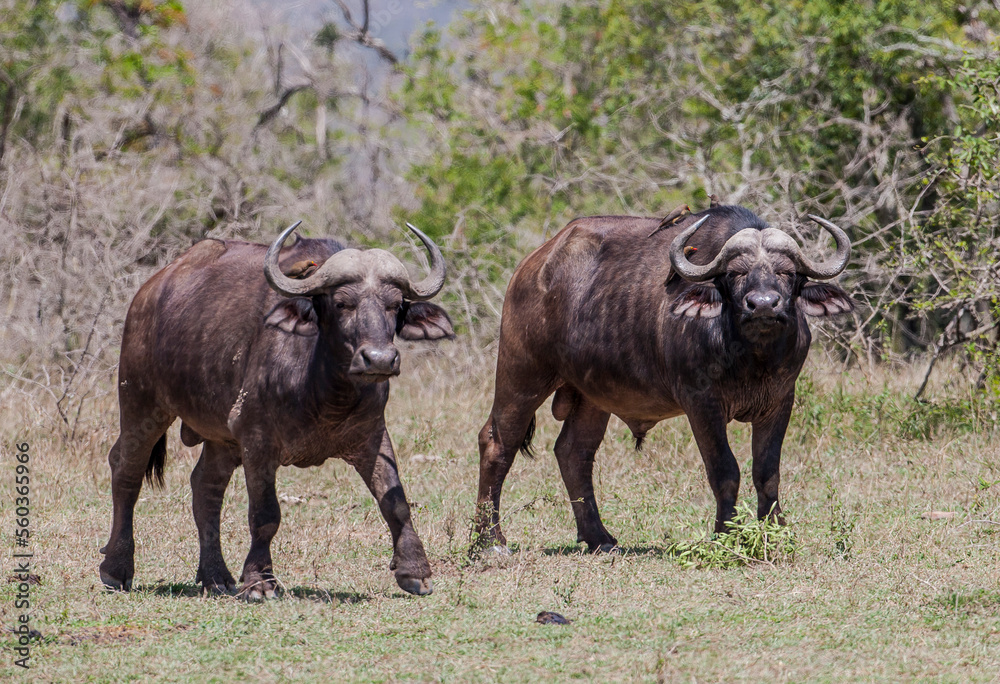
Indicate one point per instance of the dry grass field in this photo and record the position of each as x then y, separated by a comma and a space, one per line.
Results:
874, 592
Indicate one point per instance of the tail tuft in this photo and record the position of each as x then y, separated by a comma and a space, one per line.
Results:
154, 469
638, 440
526, 444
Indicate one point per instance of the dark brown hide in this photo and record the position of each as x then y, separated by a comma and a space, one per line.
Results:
262, 380
597, 316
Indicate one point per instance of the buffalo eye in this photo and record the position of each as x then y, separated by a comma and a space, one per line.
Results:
345, 306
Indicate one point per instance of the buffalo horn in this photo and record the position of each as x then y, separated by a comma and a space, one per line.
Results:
342, 267
831, 268
432, 284
693, 272
278, 280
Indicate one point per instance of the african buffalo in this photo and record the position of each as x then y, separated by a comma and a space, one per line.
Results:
267, 370
599, 316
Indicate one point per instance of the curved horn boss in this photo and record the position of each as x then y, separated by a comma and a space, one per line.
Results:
833, 267
343, 267
749, 239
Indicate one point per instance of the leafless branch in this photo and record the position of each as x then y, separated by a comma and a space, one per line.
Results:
268, 114
360, 34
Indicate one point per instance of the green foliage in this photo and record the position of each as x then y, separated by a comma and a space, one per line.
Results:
746, 541
30, 37
952, 254
327, 36
47, 49
887, 413
879, 115
561, 87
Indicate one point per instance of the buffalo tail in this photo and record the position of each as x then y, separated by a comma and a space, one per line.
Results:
154, 469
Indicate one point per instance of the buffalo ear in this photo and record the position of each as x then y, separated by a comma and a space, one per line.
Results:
423, 321
824, 299
701, 300
295, 316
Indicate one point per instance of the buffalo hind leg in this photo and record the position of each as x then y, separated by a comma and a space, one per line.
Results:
505, 432
409, 561
768, 435
709, 428
141, 443
578, 441
209, 481
264, 515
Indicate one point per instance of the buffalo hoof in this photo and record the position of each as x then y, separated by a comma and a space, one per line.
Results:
117, 576
256, 594
258, 589
417, 587
114, 583
216, 583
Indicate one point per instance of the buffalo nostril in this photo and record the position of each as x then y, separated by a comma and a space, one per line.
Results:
380, 360
762, 300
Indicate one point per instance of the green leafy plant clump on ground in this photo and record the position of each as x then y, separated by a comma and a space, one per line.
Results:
746, 541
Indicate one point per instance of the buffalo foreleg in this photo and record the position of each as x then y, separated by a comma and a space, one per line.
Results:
578, 441
209, 480
768, 435
709, 428
264, 516
409, 561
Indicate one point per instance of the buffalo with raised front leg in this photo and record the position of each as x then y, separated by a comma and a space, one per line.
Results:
267, 370
702, 315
